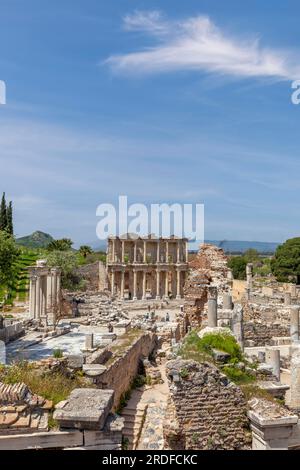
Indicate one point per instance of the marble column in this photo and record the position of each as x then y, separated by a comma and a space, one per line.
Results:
178, 252
122, 284
294, 391
157, 284
166, 284
44, 296
178, 290
135, 252
38, 299
186, 252
123, 251
273, 359
249, 275
227, 301
134, 284
144, 284
113, 250
212, 313
158, 252
145, 252
167, 251
32, 296
112, 283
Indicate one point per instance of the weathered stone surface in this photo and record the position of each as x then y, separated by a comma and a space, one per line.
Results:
86, 408
205, 410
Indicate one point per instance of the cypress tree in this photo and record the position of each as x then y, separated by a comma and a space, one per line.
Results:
3, 213
9, 219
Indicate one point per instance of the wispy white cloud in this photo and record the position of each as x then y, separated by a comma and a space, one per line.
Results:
198, 44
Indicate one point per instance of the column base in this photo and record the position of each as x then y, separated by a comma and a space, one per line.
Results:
178, 297
157, 297
134, 298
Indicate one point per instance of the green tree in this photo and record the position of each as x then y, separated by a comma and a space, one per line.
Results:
64, 244
238, 266
9, 219
68, 263
8, 256
3, 213
286, 262
251, 255
85, 250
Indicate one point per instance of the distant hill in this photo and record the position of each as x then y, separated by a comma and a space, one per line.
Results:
35, 240
235, 246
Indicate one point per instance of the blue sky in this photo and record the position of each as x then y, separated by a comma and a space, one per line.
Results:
164, 101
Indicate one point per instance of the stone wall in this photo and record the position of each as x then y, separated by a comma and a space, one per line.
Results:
208, 268
205, 411
11, 331
124, 364
95, 276
262, 333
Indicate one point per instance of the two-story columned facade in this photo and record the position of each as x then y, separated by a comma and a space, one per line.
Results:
147, 267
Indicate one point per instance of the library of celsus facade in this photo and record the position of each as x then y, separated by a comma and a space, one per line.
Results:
141, 268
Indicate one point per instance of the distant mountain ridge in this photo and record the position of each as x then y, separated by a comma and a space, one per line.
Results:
37, 239
236, 246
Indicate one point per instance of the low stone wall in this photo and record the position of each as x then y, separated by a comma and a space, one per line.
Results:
262, 333
11, 331
205, 411
124, 364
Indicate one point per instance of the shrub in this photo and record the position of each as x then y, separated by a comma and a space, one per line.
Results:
238, 376
57, 353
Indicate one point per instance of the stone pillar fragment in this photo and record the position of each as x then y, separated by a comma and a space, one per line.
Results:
212, 313
294, 323
237, 324
227, 302
273, 359
287, 298
249, 275
89, 341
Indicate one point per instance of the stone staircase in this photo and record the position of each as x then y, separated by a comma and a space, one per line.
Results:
134, 417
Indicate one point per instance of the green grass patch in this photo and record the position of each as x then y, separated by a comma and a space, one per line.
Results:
202, 348
51, 385
238, 376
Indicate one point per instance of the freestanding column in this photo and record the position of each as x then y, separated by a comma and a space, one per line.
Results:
294, 327
178, 296
122, 284
273, 358
249, 274
44, 298
134, 284
227, 302
157, 284
237, 324
212, 313
167, 285
144, 285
